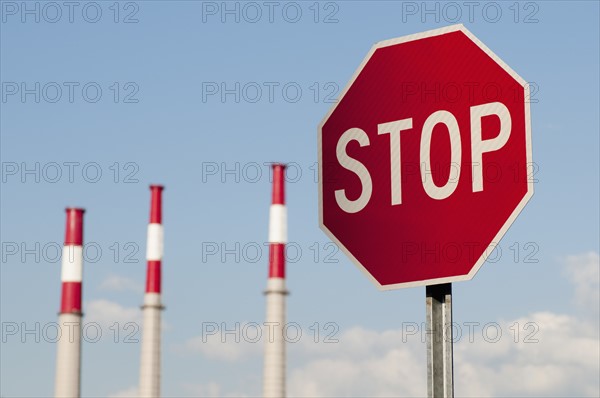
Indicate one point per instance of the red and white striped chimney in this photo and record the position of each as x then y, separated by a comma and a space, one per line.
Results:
274, 366
150, 355
68, 355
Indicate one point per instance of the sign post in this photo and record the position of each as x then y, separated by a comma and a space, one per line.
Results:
425, 162
440, 368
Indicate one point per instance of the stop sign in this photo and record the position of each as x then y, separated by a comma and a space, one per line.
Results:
425, 160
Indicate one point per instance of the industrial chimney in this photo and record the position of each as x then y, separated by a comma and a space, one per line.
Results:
68, 355
274, 366
150, 356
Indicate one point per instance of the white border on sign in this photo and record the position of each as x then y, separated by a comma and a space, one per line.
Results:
514, 214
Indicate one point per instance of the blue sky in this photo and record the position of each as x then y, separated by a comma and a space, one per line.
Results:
155, 120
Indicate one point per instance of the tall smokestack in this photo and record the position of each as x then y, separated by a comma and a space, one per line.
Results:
150, 358
68, 355
274, 367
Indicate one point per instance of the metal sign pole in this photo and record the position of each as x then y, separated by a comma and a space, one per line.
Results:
440, 374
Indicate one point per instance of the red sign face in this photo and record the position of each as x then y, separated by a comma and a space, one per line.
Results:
425, 159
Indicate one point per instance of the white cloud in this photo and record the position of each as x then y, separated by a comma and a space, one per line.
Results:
364, 364
106, 313
210, 389
542, 353
216, 344
120, 284
130, 392
551, 354
584, 272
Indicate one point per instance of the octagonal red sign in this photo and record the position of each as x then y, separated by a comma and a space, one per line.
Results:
425, 160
